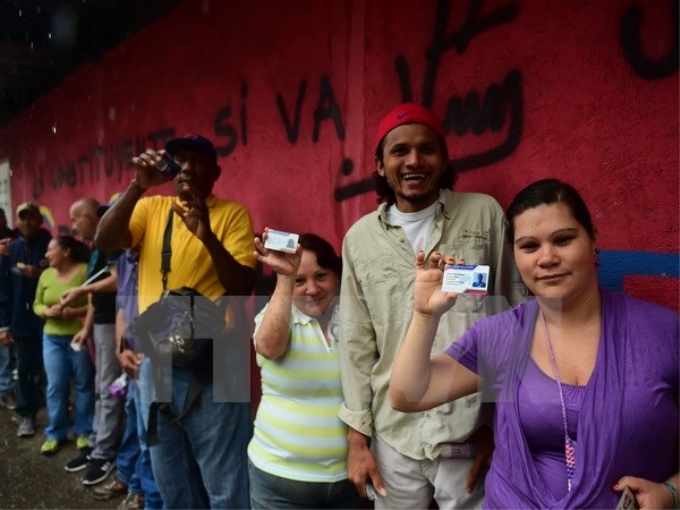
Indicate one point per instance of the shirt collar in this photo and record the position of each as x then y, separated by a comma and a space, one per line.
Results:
300, 317
304, 319
211, 201
445, 202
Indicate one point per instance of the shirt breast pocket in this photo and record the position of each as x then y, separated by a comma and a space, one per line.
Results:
470, 249
387, 286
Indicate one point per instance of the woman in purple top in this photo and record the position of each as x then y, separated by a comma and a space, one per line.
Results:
585, 381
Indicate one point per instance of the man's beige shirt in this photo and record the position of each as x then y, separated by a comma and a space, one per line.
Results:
376, 302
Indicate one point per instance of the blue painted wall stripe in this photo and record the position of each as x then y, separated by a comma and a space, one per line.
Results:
615, 265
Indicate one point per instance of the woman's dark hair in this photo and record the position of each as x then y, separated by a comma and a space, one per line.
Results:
382, 187
546, 192
324, 251
79, 252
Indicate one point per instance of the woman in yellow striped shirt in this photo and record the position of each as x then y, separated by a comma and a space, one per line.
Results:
298, 454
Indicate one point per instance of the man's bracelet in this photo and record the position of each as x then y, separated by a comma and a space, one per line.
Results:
674, 493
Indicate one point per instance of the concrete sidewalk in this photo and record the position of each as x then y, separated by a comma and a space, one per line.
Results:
31, 480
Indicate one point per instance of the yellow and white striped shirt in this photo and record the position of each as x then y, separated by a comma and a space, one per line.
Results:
298, 433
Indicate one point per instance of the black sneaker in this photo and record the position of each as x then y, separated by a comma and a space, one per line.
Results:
80, 462
97, 471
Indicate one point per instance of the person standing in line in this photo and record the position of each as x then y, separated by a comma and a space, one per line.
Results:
99, 451
298, 454
585, 380
65, 361
401, 454
134, 477
20, 329
201, 460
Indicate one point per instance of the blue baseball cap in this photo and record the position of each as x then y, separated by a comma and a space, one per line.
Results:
192, 142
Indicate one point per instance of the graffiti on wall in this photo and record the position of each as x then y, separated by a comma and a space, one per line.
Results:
492, 112
231, 130
97, 163
497, 108
633, 50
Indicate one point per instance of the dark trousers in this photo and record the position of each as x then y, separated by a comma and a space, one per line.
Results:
30, 375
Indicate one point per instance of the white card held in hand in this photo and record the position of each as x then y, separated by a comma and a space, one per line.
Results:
466, 279
627, 501
281, 241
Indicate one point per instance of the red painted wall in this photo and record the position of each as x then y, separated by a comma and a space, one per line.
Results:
291, 93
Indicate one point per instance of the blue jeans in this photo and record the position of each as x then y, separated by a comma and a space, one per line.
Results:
6, 366
62, 362
128, 451
143, 388
272, 492
133, 462
201, 462
30, 371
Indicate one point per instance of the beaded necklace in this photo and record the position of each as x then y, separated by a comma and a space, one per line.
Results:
569, 443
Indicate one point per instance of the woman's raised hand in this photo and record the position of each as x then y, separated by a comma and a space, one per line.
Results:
428, 297
282, 263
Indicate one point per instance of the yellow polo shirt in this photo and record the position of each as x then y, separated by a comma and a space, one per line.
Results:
191, 265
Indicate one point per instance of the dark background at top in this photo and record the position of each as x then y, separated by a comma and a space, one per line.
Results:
43, 41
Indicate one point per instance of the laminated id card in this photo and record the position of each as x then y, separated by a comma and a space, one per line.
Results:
466, 279
278, 240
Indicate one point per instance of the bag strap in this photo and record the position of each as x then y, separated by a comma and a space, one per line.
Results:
166, 251
195, 386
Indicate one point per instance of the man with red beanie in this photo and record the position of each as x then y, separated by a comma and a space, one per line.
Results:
410, 459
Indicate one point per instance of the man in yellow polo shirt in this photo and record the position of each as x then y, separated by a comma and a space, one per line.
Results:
212, 252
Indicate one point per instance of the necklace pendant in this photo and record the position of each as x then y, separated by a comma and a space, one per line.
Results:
570, 458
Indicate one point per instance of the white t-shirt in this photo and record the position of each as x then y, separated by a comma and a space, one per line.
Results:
417, 225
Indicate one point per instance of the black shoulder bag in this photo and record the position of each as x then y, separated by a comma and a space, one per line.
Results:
182, 323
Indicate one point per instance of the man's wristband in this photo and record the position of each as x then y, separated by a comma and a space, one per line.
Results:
674, 493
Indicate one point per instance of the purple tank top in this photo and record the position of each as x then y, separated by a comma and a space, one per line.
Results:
540, 414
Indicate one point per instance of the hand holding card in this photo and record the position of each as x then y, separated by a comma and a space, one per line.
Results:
278, 240
627, 501
466, 279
